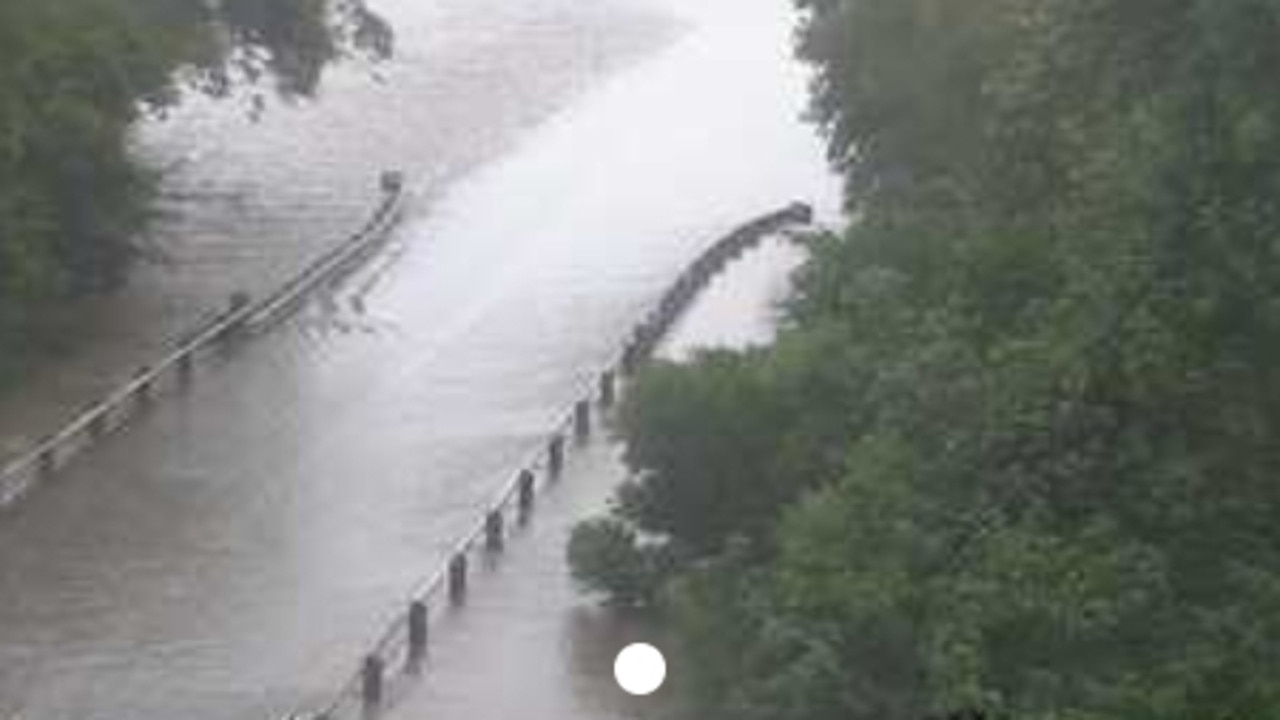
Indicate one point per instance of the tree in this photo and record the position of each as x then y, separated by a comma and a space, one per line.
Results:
74, 77
1050, 343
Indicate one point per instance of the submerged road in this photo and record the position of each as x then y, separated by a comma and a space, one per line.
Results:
528, 644
232, 552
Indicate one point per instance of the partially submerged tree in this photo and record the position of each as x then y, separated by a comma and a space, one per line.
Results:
76, 74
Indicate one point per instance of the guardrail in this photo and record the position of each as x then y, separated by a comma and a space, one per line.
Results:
99, 419
399, 652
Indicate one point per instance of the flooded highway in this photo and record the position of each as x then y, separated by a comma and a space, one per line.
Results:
230, 555
246, 202
528, 644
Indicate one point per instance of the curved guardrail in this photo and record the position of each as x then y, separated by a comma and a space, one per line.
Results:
21, 475
397, 654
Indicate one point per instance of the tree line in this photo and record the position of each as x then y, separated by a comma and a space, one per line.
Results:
75, 77
1015, 451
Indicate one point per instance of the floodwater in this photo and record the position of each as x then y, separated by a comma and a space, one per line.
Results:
528, 644
231, 554
246, 202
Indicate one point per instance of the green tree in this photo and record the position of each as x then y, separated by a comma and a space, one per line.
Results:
74, 77
1049, 344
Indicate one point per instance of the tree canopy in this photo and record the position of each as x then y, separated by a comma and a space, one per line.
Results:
1047, 350
76, 74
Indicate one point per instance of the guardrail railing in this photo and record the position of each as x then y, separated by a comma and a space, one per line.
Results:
397, 655
99, 419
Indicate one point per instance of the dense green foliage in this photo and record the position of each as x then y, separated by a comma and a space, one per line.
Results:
74, 76
1017, 449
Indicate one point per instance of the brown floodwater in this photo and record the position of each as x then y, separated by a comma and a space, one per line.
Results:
231, 553
529, 644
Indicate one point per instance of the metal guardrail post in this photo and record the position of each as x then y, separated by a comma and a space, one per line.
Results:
458, 578
524, 494
630, 358
640, 342
608, 392
186, 366
48, 462
494, 536
391, 181
371, 681
582, 420
555, 455
417, 634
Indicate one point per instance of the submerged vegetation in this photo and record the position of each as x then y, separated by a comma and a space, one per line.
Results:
1015, 450
74, 77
